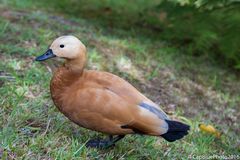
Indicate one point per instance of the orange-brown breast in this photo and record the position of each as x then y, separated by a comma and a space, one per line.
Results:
103, 102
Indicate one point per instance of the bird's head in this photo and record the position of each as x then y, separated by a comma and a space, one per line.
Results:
68, 47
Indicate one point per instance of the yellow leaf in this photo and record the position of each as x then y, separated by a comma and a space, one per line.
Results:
210, 130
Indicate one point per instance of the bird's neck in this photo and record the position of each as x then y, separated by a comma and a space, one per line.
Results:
65, 76
76, 65
63, 79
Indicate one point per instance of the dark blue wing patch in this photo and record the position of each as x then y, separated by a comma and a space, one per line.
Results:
154, 110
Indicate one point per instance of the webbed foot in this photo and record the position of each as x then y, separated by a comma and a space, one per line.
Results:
104, 143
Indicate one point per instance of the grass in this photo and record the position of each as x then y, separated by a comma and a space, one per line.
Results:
190, 89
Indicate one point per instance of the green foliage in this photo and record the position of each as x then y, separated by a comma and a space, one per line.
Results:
208, 28
199, 27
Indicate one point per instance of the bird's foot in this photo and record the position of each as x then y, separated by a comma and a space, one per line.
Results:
104, 143
99, 143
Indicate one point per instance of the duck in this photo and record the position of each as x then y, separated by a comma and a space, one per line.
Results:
104, 102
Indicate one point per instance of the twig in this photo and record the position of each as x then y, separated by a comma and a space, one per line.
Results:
80, 148
44, 133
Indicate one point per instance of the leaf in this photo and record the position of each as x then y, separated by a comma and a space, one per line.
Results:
210, 130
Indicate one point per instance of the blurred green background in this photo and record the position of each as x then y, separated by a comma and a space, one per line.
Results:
198, 27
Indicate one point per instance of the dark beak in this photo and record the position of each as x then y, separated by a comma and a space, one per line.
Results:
45, 56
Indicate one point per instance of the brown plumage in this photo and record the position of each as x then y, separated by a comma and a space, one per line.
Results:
102, 101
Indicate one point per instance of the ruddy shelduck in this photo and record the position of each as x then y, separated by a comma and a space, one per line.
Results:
102, 101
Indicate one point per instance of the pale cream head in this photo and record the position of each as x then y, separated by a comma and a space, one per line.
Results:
69, 47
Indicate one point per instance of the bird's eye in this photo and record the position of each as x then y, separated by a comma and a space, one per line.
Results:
61, 46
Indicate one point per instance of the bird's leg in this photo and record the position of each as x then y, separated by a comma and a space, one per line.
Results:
115, 139
110, 137
104, 143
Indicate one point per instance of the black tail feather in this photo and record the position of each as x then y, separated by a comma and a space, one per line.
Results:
176, 130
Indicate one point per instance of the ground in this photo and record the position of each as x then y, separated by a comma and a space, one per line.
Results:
187, 88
